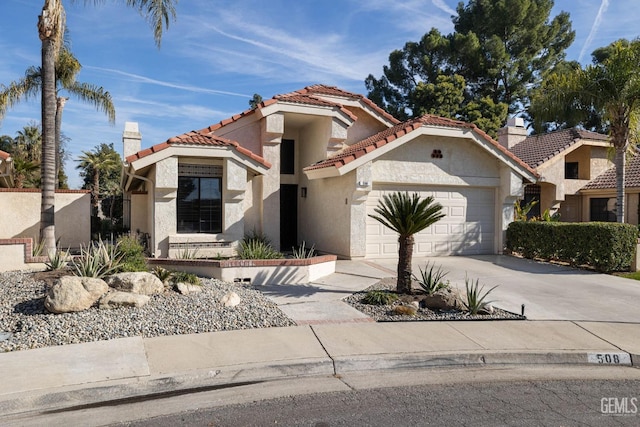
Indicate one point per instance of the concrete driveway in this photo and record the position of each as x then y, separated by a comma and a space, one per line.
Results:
549, 292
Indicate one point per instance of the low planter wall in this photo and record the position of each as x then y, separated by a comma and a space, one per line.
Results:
257, 272
15, 254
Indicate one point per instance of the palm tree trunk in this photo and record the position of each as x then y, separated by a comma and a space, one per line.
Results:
405, 253
620, 175
47, 32
96, 192
60, 101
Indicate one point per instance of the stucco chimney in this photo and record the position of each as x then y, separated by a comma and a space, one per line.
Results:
131, 139
513, 133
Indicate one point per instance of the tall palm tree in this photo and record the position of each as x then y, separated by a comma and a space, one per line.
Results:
406, 216
610, 87
102, 160
51, 25
66, 69
28, 143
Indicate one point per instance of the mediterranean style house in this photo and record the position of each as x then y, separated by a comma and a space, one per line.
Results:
576, 173
310, 166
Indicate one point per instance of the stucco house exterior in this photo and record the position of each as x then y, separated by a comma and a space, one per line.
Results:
6, 170
310, 166
576, 173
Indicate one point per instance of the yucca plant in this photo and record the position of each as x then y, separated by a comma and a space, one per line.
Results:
257, 249
97, 260
57, 260
475, 298
430, 279
302, 252
406, 215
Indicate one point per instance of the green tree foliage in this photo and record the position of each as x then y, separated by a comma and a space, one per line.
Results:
480, 72
608, 89
100, 169
406, 215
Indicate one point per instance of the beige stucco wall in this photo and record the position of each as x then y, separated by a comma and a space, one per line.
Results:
363, 128
324, 215
462, 163
140, 212
21, 216
631, 203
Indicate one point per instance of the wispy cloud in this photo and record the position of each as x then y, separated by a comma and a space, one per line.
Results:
440, 4
148, 80
594, 28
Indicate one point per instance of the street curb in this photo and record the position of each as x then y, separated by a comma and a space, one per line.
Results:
110, 393
107, 393
369, 362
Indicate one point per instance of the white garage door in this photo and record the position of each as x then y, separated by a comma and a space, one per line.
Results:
467, 229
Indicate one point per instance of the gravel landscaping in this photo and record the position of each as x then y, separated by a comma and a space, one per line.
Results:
384, 313
25, 324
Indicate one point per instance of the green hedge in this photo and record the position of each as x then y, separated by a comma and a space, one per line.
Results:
605, 246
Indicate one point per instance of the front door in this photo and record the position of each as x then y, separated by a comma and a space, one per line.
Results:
288, 216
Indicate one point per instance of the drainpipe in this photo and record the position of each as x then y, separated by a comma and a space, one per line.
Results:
125, 171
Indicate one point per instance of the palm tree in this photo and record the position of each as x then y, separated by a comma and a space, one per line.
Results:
406, 216
102, 160
611, 88
24, 173
51, 25
66, 70
28, 143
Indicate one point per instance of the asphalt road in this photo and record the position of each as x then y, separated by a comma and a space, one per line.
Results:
474, 401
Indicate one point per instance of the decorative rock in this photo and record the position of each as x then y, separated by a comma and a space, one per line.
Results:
142, 283
445, 299
71, 293
123, 299
415, 304
231, 299
407, 310
188, 288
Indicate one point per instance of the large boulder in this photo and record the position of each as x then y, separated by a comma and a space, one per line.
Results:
142, 283
71, 293
445, 299
117, 299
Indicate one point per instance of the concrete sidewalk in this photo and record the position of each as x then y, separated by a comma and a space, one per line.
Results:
107, 372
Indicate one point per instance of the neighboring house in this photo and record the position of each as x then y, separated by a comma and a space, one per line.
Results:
566, 161
6, 170
310, 166
599, 195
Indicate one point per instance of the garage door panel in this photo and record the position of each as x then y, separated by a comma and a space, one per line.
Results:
467, 228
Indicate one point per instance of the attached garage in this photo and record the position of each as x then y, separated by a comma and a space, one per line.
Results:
467, 229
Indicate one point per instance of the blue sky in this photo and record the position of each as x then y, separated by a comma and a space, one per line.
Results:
219, 53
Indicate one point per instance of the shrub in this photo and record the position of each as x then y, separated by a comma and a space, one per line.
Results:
475, 297
379, 297
162, 273
603, 245
257, 246
132, 253
182, 277
302, 252
97, 260
431, 279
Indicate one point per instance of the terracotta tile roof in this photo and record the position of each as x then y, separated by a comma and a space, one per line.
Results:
373, 142
309, 95
197, 138
537, 149
4, 155
607, 179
